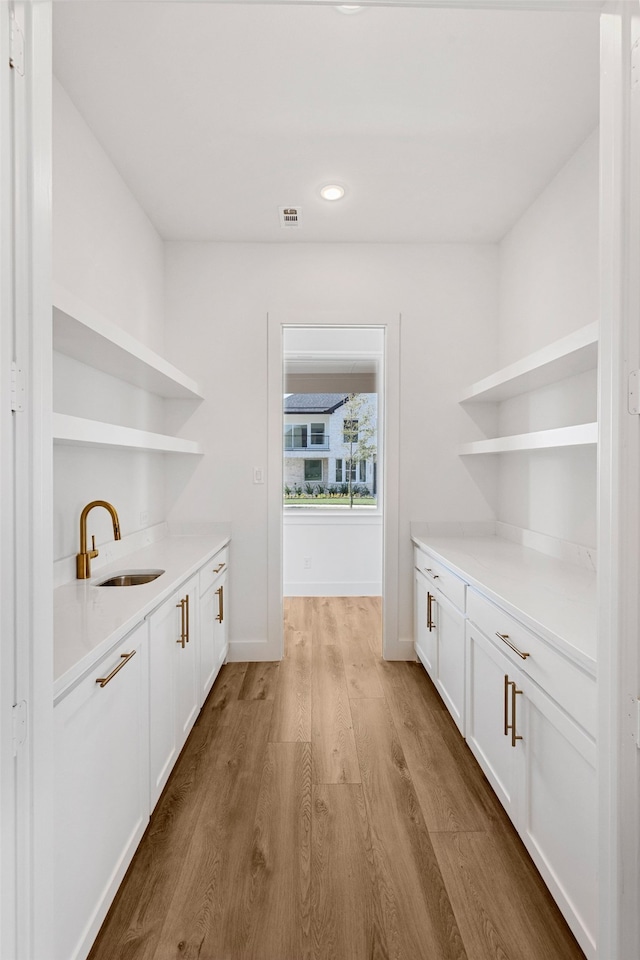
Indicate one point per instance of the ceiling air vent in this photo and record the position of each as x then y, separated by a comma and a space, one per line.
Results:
290, 216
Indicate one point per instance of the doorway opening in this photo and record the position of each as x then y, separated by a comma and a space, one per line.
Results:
332, 449
333, 484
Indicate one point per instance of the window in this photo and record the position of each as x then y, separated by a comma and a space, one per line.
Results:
295, 437
317, 435
313, 470
349, 468
363, 471
350, 431
343, 471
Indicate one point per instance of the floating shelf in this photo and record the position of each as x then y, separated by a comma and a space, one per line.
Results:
571, 355
82, 333
95, 433
583, 434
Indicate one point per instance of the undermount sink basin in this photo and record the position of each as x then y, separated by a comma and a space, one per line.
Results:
130, 578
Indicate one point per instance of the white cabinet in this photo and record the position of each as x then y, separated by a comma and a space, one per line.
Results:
213, 620
425, 637
101, 742
173, 681
448, 622
488, 717
439, 633
539, 761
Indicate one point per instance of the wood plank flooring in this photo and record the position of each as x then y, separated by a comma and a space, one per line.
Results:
326, 808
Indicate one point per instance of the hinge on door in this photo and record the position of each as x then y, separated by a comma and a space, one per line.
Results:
19, 723
18, 389
635, 63
633, 392
16, 53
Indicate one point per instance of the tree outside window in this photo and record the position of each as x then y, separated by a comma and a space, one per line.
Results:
359, 438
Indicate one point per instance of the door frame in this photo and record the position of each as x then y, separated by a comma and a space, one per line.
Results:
392, 647
26, 575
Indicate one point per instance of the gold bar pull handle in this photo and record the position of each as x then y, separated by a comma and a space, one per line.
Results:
505, 639
435, 576
219, 567
507, 684
514, 693
183, 632
430, 624
103, 681
220, 596
186, 617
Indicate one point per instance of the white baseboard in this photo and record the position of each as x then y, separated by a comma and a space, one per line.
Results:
329, 589
251, 651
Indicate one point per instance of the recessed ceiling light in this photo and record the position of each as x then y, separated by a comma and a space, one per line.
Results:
332, 191
349, 8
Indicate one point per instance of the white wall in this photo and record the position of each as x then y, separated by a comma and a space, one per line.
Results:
332, 556
107, 253
549, 288
218, 297
105, 249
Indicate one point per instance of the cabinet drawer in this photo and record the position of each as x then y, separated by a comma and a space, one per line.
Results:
441, 578
213, 568
564, 681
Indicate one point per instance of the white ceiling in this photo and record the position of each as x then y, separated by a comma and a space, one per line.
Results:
442, 124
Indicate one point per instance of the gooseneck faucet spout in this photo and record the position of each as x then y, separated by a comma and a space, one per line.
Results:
84, 558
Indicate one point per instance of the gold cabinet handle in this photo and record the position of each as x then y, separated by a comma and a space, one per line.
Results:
505, 639
183, 628
514, 693
219, 567
220, 596
103, 681
186, 616
436, 576
506, 704
430, 624
513, 725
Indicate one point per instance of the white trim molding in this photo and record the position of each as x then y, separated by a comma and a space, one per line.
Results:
619, 480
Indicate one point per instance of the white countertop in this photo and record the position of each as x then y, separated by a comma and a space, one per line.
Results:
554, 598
89, 620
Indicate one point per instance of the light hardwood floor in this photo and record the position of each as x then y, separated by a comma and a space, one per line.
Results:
326, 808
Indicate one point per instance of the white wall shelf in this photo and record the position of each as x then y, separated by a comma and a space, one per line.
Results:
583, 434
573, 354
82, 333
95, 433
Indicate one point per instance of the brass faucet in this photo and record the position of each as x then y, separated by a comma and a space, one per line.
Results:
84, 558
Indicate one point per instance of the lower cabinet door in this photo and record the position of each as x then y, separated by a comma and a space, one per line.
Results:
559, 821
424, 633
489, 715
101, 795
450, 679
213, 633
173, 682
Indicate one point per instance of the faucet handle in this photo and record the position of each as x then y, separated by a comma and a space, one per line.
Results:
94, 552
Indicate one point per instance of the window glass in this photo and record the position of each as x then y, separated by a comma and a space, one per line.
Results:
313, 469
350, 431
317, 434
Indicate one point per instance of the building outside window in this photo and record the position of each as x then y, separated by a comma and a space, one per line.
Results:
324, 424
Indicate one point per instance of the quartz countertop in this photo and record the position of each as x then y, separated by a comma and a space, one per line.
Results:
90, 620
556, 599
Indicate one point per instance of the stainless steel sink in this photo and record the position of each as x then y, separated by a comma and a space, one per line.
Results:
130, 578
